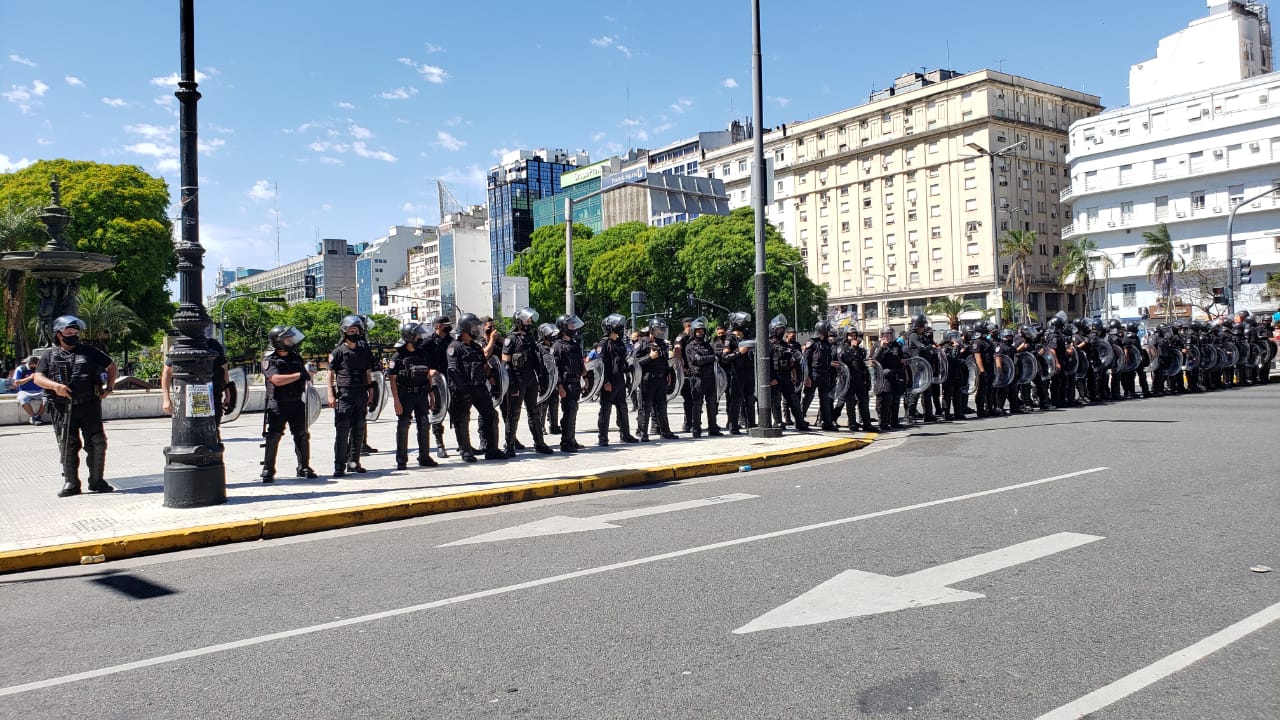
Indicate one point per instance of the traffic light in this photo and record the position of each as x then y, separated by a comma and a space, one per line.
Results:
1219, 295
691, 298
1246, 272
309, 286
382, 294
413, 312
638, 300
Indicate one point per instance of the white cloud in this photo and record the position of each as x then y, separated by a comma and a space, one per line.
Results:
300, 129
602, 41
43, 141
360, 133
326, 207
624, 50
433, 73
399, 93
261, 190
331, 161
171, 80
401, 121
360, 149
324, 146
168, 165
663, 127
345, 105
152, 149
22, 61
630, 122
24, 97
782, 101
432, 49
449, 142
208, 146
114, 102
597, 137
640, 135
680, 105
471, 181
74, 81
38, 88
729, 83
408, 207
7, 165
151, 132
454, 121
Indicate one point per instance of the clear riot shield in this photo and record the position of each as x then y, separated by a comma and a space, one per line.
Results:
1208, 358
1006, 371
1049, 366
944, 366
919, 374
239, 386
377, 396
637, 374
1106, 353
547, 390
315, 403
1129, 358
803, 364
972, 366
595, 366
1071, 365
1263, 357
840, 387
678, 384
877, 377
497, 381
1191, 359
1170, 362
722, 382
1028, 367
439, 399
1229, 355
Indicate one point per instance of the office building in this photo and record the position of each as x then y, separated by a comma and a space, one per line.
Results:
449, 272
334, 268
577, 184
636, 195
384, 263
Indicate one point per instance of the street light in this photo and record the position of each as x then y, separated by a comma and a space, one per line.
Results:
995, 235
795, 294
765, 427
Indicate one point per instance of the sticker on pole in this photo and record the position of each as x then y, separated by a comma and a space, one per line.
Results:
200, 400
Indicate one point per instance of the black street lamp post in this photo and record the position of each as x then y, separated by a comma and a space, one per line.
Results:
194, 473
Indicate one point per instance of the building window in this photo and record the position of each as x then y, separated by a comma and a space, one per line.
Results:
1162, 207
935, 189
1130, 292
973, 271
970, 205
742, 166
826, 268
724, 170
1235, 195
970, 183
1197, 200
844, 226
935, 232
1126, 212
1199, 252
970, 248
1160, 169
937, 274
935, 211
868, 242
936, 253
866, 223
866, 202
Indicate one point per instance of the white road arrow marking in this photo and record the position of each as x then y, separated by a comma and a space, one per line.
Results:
561, 525
854, 593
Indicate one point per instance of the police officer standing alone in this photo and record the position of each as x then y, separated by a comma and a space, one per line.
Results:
568, 354
286, 383
411, 375
468, 369
350, 376
701, 360
520, 354
613, 392
71, 374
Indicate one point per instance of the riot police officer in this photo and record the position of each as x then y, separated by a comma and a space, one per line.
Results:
655, 360
889, 354
350, 378
677, 349
954, 390
613, 389
468, 372
548, 412
920, 344
520, 355
784, 373
857, 397
71, 375
984, 356
286, 384
411, 375
700, 358
822, 360
740, 365
568, 354
436, 347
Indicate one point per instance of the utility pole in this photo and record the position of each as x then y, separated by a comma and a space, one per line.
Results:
765, 427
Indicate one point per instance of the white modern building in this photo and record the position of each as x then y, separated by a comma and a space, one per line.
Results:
448, 273
384, 263
1186, 161
1233, 43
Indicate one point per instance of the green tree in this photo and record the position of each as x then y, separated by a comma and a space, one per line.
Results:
543, 264
1273, 284
952, 307
1162, 262
20, 229
108, 322
384, 330
320, 321
1009, 312
1075, 267
1020, 245
116, 210
245, 323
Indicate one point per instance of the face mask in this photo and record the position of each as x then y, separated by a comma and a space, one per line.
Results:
71, 340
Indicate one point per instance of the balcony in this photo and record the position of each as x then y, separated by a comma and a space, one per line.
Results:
1068, 231
1065, 194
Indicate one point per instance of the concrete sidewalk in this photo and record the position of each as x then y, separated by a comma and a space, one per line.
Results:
38, 529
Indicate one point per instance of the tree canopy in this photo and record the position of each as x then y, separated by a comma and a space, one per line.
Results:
712, 257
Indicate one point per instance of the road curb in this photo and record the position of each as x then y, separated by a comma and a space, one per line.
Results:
128, 546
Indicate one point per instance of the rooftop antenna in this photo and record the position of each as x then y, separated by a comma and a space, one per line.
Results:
999, 64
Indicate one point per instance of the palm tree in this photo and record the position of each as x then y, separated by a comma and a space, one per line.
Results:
1075, 267
1010, 310
1020, 245
104, 316
19, 230
1162, 262
951, 307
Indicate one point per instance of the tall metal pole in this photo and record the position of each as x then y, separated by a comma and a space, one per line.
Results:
795, 296
995, 243
568, 256
194, 474
765, 427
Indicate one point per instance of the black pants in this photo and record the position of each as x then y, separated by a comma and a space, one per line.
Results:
985, 397
785, 392
522, 392
291, 413
415, 408
653, 404
703, 389
858, 398
613, 400
349, 417
71, 423
463, 399
690, 409
569, 412
887, 403
742, 402
821, 388
954, 393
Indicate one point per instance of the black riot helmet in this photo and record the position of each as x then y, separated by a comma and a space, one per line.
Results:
1098, 327
614, 323
698, 323
822, 328
1006, 334
411, 332
284, 337
353, 321
526, 317
658, 328
1115, 324
739, 321
547, 331
918, 322
1056, 323
886, 331
470, 324
1131, 326
778, 325
1027, 332
568, 324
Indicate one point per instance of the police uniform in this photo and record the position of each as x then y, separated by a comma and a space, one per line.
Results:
436, 347
700, 358
782, 374
523, 366
819, 356
467, 368
568, 356
80, 369
890, 358
741, 393
350, 368
411, 377
653, 386
857, 396
286, 404
613, 359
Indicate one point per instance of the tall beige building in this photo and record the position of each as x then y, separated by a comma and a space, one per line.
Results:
891, 202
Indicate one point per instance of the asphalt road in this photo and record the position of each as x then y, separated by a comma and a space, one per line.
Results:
1136, 544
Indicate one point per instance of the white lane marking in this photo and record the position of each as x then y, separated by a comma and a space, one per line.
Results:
563, 524
249, 642
855, 593
1163, 668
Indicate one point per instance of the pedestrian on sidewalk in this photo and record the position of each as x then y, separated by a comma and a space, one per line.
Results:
30, 396
287, 379
350, 378
72, 374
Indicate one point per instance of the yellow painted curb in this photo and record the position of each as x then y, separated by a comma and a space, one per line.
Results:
241, 531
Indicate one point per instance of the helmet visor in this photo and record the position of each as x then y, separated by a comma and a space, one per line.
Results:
289, 338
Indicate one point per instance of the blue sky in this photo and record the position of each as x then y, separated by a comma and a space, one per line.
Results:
353, 109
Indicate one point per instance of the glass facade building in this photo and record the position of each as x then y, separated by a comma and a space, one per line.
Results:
512, 194
550, 210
